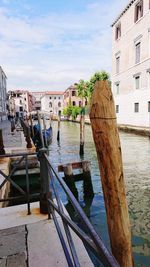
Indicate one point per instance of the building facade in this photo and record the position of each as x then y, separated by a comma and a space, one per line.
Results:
3, 95
38, 96
52, 103
131, 64
71, 97
20, 102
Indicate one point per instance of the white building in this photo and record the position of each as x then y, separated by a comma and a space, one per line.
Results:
3, 96
131, 64
21, 102
38, 96
52, 102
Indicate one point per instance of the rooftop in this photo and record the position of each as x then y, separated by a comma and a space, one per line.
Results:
124, 11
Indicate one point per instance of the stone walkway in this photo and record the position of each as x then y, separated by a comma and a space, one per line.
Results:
13, 247
9, 139
32, 240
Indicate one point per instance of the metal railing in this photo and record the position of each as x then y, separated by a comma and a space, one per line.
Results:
92, 240
51, 203
24, 195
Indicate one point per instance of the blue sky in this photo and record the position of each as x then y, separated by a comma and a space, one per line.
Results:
51, 44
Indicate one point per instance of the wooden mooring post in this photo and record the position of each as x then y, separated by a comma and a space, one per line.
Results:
58, 132
69, 179
106, 138
82, 134
41, 134
2, 150
87, 181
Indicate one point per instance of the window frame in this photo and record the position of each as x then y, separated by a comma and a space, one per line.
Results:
137, 52
137, 12
117, 64
136, 107
118, 31
117, 108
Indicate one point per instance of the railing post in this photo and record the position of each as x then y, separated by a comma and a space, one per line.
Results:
2, 150
45, 181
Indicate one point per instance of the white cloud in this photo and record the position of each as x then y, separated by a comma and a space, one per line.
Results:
54, 51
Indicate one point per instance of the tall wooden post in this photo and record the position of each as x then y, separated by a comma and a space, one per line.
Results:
31, 123
41, 134
58, 132
45, 137
82, 133
2, 150
106, 138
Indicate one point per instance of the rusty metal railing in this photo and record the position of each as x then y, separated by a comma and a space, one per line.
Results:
25, 195
92, 240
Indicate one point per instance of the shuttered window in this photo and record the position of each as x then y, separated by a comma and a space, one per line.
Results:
136, 107
137, 52
138, 11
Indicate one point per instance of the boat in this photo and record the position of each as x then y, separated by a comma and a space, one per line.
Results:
47, 136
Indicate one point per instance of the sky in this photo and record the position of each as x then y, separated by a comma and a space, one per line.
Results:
51, 44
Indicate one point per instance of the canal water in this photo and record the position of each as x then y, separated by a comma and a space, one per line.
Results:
136, 161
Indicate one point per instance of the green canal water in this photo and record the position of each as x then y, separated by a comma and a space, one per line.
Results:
136, 161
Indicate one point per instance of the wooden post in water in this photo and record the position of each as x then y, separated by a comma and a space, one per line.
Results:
82, 134
2, 150
69, 179
106, 138
58, 132
87, 181
41, 134
31, 123
44, 125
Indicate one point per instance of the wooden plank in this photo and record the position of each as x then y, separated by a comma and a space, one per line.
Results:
75, 165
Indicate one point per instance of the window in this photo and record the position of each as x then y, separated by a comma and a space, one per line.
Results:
117, 88
136, 107
73, 93
117, 64
117, 108
148, 79
59, 104
118, 31
55, 97
137, 82
148, 106
137, 52
50, 104
73, 103
138, 11
50, 97
80, 103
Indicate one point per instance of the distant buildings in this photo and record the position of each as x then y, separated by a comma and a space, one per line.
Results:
20, 102
3, 96
131, 64
52, 102
71, 98
38, 96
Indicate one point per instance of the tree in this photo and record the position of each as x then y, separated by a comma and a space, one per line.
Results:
98, 76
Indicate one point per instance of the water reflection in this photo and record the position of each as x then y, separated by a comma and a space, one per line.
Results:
136, 158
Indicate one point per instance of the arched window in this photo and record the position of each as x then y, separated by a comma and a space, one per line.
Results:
50, 104
59, 104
